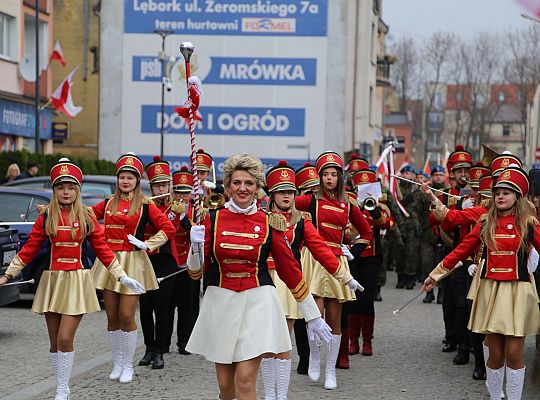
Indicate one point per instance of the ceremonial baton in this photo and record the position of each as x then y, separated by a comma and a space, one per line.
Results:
159, 280
419, 184
159, 196
187, 48
396, 312
18, 283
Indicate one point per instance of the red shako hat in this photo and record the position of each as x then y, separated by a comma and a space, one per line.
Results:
65, 171
478, 171
158, 171
484, 185
460, 158
329, 159
513, 178
204, 160
357, 163
280, 177
307, 176
183, 180
502, 161
363, 177
129, 162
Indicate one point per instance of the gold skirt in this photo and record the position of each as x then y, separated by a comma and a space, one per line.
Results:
66, 292
288, 302
505, 307
321, 283
136, 264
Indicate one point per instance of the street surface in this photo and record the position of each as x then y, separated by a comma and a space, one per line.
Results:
407, 362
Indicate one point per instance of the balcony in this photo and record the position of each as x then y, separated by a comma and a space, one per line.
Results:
383, 70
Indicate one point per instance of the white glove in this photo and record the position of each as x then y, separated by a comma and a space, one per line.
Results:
346, 252
318, 328
472, 269
196, 234
532, 262
468, 203
132, 284
136, 242
209, 185
354, 285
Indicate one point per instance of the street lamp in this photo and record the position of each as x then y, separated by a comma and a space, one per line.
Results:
162, 57
301, 146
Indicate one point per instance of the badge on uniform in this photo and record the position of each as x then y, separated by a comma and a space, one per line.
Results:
256, 228
509, 226
171, 216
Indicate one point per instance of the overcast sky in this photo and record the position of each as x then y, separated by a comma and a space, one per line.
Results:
420, 18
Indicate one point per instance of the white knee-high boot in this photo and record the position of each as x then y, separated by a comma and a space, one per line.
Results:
485, 349
330, 380
115, 341
314, 369
494, 382
63, 371
283, 378
54, 362
268, 372
129, 347
514, 383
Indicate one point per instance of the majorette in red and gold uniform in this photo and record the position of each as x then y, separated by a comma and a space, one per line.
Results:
299, 233
135, 261
183, 183
331, 217
66, 276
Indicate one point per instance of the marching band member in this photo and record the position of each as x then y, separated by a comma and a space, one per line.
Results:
185, 295
164, 261
204, 166
126, 214
505, 305
330, 212
300, 231
65, 291
365, 268
240, 303
307, 179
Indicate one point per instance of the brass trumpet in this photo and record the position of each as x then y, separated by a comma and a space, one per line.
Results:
214, 201
370, 203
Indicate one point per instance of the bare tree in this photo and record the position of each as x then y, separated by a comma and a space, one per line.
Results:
405, 71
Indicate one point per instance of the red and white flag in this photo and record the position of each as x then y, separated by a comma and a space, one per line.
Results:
57, 54
61, 98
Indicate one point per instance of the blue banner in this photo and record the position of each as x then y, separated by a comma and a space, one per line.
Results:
244, 121
228, 17
19, 119
146, 69
262, 71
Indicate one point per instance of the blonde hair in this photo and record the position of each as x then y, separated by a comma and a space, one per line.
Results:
78, 212
523, 213
243, 162
137, 198
15, 167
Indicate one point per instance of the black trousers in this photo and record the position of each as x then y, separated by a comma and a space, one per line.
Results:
155, 303
456, 307
185, 298
365, 270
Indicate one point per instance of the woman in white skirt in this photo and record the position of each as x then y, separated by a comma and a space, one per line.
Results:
126, 214
66, 291
280, 181
505, 305
241, 317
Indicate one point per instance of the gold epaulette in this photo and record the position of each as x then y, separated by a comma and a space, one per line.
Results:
452, 201
177, 207
531, 219
353, 202
43, 209
485, 202
277, 221
147, 200
385, 209
306, 215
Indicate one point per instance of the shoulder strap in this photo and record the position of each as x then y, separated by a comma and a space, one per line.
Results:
139, 233
312, 209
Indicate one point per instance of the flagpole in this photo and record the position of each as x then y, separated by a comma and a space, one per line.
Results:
37, 147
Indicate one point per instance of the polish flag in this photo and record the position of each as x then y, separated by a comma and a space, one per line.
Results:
57, 54
61, 98
532, 5
393, 183
426, 168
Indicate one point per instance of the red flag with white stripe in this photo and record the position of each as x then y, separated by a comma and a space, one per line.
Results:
58, 54
62, 100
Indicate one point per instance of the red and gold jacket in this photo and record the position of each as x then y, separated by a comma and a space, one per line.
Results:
463, 218
173, 212
331, 218
181, 237
385, 221
508, 262
118, 226
236, 250
65, 253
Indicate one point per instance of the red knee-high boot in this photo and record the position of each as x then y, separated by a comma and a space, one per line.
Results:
343, 355
355, 327
368, 321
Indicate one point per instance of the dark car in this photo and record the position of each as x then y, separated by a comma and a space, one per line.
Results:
9, 244
96, 185
19, 212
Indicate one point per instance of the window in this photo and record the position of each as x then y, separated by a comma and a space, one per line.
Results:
474, 141
438, 101
14, 207
435, 139
501, 97
30, 39
7, 36
507, 129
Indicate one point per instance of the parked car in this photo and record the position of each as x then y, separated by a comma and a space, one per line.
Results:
19, 212
9, 244
96, 185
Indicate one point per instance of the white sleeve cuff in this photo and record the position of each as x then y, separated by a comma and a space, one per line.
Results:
309, 308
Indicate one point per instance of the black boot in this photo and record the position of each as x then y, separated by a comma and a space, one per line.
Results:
462, 356
378, 296
429, 297
182, 349
157, 362
449, 347
410, 283
148, 357
302, 346
440, 296
400, 281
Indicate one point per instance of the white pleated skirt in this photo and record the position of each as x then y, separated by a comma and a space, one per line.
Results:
238, 326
